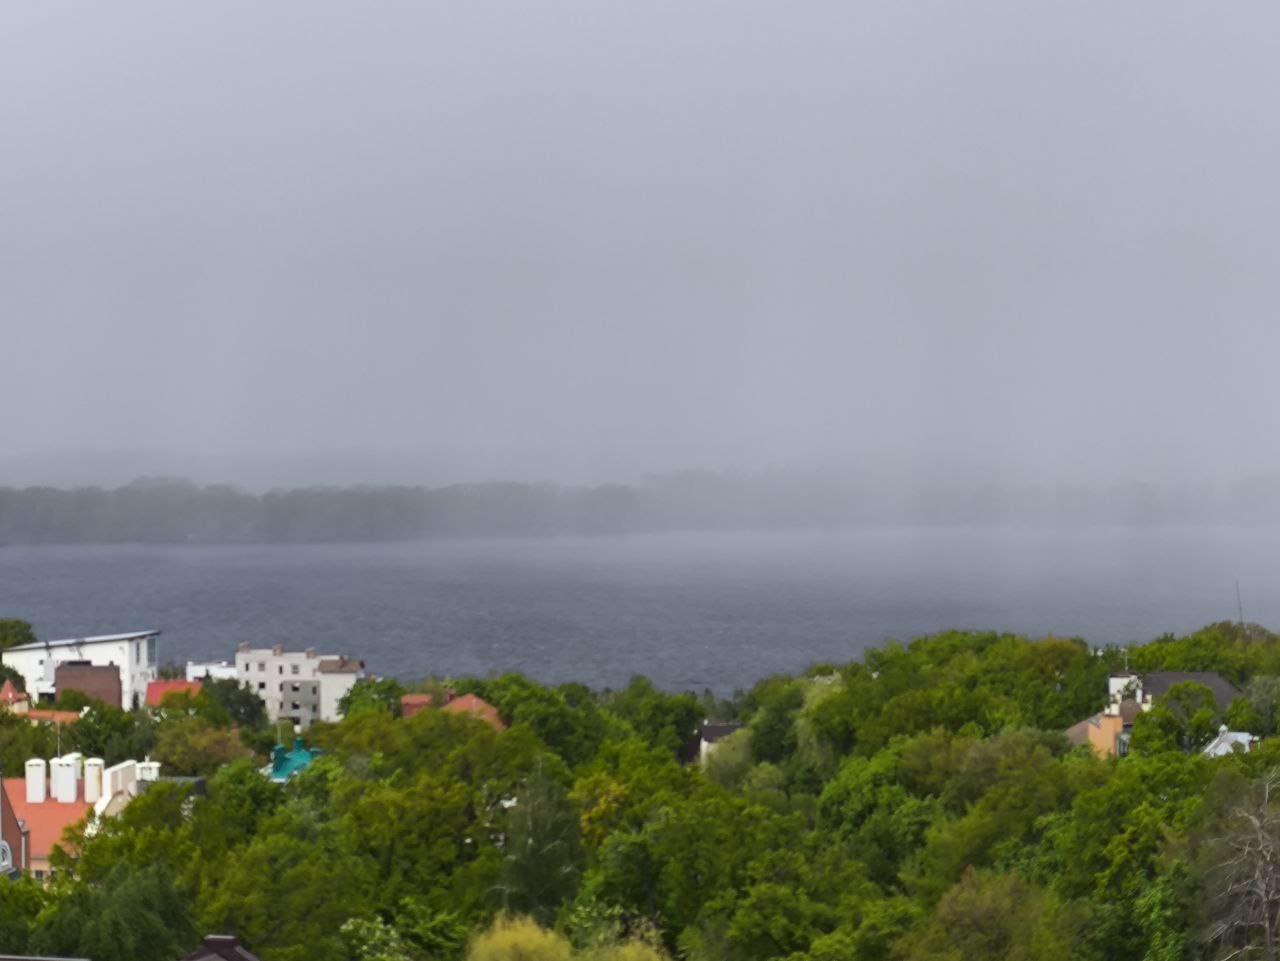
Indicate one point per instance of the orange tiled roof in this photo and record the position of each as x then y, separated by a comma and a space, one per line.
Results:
477, 708
47, 820
158, 690
411, 704
53, 717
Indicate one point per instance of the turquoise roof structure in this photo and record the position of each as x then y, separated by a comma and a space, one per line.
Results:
285, 764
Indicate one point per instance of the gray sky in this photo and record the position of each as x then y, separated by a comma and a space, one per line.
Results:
293, 241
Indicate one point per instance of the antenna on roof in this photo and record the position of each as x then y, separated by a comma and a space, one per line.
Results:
1239, 605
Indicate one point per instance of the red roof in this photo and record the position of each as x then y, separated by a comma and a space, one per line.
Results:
411, 704
9, 694
157, 691
47, 820
477, 708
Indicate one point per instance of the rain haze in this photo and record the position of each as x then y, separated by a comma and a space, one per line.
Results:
303, 243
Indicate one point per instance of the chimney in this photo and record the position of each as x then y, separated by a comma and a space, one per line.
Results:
311, 652
93, 769
62, 772
78, 760
277, 650
148, 770
243, 648
36, 781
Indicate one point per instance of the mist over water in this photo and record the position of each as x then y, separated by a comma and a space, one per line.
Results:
688, 610
305, 243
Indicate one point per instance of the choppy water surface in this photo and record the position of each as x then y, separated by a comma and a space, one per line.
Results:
688, 610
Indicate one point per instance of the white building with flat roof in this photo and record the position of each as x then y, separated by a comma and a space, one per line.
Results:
218, 670
298, 686
134, 654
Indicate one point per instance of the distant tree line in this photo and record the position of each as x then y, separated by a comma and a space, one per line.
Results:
178, 511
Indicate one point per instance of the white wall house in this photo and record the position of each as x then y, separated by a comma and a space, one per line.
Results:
298, 686
134, 654
218, 670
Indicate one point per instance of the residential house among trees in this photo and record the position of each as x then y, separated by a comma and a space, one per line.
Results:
36, 809
1130, 694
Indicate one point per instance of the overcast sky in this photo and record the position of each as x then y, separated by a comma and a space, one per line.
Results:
292, 241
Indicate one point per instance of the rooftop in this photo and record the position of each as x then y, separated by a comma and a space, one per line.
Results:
476, 707
47, 820
341, 665
81, 641
285, 764
53, 717
157, 691
10, 694
221, 947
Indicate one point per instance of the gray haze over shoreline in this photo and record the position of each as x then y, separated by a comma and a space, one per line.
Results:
170, 511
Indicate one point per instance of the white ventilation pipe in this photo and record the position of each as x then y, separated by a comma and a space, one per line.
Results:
37, 781
62, 771
93, 768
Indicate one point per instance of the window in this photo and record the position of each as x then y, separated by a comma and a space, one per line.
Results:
295, 705
280, 669
262, 667
293, 668
295, 688
262, 685
246, 667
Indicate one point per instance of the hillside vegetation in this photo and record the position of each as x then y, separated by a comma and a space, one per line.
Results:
920, 804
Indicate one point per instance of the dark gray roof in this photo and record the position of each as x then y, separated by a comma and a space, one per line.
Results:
221, 947
1157, 684
717, 731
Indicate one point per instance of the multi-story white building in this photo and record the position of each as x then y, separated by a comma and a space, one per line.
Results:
134, 654
298, 686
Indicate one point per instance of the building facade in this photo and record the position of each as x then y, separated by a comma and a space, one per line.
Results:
99, 681
217, 670
301, 687
133, 654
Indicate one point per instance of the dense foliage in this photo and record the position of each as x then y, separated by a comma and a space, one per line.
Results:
919, 804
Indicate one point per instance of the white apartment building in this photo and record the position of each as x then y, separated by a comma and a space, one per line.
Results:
297, 686
134, 654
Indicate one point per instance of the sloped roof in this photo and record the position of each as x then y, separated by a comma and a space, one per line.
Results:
10, 694
158, 690
47, 820
221, 947
476, 707
1078, 734
53, 717
718, 730
341, 665
1157, 684
1227, 741
78, 641
412, 704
